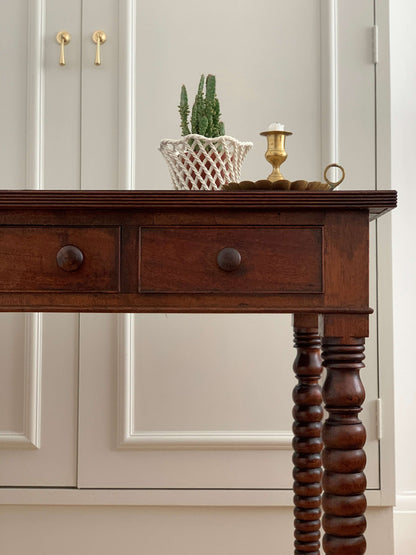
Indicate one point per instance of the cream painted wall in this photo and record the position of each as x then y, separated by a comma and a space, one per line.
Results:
403, 124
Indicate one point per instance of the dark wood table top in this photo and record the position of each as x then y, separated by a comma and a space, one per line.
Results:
377, 202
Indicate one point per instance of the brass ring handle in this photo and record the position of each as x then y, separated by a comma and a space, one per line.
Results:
63, 38
229, 259
333, 184
99, 37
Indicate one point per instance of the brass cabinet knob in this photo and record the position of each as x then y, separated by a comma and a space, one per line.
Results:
99, 37
229, 259
69, 258
63, 38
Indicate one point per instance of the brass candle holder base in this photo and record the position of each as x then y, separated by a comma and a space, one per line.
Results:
285, 185
276, 153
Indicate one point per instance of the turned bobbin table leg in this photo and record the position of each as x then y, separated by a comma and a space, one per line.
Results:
307, 443
344, 437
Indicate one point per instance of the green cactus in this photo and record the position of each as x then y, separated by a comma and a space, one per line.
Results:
184, 111
205, 114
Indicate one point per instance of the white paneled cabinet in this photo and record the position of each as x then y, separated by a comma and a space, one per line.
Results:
197, 401
175, 401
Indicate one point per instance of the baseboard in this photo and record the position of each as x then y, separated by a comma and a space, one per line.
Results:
405, 523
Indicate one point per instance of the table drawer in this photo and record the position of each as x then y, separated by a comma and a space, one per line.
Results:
60, 258
257, 259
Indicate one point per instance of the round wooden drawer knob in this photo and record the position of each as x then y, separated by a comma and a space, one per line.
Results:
229, 259
69, 258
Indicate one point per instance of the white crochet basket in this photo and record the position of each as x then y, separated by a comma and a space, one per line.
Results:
201, 164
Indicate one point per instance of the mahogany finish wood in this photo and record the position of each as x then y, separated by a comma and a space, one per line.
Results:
70, 258
307, 442
229, 259
343, 457
273, 259
304, 253
376, 202
44, 258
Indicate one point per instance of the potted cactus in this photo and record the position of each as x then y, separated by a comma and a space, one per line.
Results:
205, 118
205, 158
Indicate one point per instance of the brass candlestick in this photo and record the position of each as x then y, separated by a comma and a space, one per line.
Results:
276, 153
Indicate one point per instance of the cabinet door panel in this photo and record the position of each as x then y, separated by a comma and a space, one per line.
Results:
13, 26
100, 95
38, 420
61, 102
39, 148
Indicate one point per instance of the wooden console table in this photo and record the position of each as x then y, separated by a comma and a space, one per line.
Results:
304, 253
